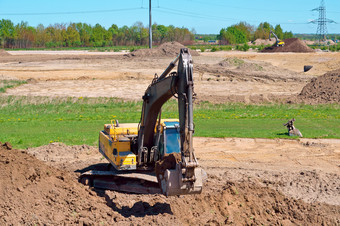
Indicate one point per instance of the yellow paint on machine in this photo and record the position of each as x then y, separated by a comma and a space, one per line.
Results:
115, 146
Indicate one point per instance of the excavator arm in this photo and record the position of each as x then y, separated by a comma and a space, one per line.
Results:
278, 41
186, 178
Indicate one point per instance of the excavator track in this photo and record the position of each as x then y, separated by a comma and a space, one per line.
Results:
131, 182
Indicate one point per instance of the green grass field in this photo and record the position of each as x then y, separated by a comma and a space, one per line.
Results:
35, 121
7, 84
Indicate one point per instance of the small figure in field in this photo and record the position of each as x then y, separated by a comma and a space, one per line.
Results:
292, 131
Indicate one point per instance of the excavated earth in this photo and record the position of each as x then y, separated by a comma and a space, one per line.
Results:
39, 187
220, 77
323, 89
4, 53
291, 45
166, 49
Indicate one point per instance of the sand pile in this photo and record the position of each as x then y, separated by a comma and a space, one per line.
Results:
323, 89
166, 49
263, 42
291, 45
4, 53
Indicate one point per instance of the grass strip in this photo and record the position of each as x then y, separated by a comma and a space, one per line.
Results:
35, 121
7, 84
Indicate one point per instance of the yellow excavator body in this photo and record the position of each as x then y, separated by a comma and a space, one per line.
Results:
114, 145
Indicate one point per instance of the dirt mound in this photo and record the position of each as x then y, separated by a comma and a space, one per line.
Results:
223, 202
323, 89
291, 45
4, 53
33, 193
263, 42
168, 49
67, 157
235, 69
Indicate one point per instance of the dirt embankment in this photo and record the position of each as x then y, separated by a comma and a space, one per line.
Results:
235, 69
4, 53
168, 49
323, 89
34, 193
291, 45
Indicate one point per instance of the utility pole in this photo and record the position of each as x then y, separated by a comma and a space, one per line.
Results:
322, 21
150, 26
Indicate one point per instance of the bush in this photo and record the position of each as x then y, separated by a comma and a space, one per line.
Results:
213, 49
226, 48
50, 44
245, 47
260, 47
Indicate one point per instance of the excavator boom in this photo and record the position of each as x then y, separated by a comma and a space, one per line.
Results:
185, 178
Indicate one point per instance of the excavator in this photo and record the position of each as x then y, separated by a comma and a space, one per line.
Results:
155, 155
278, 41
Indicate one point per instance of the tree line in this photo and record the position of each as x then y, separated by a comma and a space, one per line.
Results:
22, 35
243, 32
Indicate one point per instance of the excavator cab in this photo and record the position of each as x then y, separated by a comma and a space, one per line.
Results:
170, 138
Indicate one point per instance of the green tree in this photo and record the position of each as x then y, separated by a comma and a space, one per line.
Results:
246, 28
287, 35
72, 37
7, 33
99, 35
233, 35
24, 35
42, 36
278, 31
113, 30
85, 32
263, 30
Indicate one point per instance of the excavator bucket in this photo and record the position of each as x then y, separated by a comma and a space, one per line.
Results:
173, 182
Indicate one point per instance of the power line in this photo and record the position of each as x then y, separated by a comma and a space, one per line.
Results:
210, 17
246, 8
74, 12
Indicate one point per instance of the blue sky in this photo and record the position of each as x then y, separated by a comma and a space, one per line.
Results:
206, 17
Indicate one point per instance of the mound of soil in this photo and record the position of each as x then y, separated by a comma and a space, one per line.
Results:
291, 45
323, 89
168, 49
33, 193
263, 42
4, 53
235, 69
223, 202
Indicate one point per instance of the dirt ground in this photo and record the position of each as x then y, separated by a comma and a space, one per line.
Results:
258, 77
250, 181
